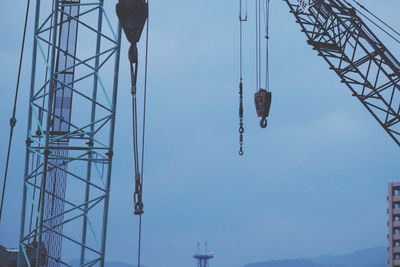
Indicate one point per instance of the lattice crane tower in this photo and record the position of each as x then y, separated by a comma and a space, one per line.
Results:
69, 146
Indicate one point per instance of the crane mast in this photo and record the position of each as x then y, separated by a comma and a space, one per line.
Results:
69, 146
362, 62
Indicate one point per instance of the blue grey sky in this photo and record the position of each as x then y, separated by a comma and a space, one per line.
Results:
314, 182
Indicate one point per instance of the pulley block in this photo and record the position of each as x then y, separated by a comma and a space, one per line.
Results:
132, 15
262, 101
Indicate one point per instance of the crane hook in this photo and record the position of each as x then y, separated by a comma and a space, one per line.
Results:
264, 122
262, 100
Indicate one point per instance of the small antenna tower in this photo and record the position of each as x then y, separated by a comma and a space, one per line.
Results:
203, 258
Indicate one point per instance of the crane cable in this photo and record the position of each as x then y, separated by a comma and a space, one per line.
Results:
263, 96
266, 20
139, 164
134, 71
380, 20
143, 136
375, 23
264, 7
13, 120
241, 127
258, 63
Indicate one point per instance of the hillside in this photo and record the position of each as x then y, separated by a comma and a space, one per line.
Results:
373, 257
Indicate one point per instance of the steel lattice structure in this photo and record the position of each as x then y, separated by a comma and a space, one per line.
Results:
357, 56
69, 151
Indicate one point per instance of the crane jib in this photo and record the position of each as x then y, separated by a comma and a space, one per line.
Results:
361, 61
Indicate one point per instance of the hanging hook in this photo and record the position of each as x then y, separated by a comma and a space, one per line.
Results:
264, 122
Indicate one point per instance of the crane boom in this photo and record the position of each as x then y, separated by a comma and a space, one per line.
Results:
362, 62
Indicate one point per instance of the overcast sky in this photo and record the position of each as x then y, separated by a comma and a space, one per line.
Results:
315, 182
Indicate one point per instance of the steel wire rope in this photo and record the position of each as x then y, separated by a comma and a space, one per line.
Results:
262, 10
259, 44
257, 49
241, 20
13, 119
377, 18
134, 116
265, 11
374, 23
139, 250
267, 19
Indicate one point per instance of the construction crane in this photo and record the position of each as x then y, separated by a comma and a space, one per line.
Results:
72, 104
353, 51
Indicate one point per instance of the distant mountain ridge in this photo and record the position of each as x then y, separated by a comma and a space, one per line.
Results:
286, 263
372, 257
362, 258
